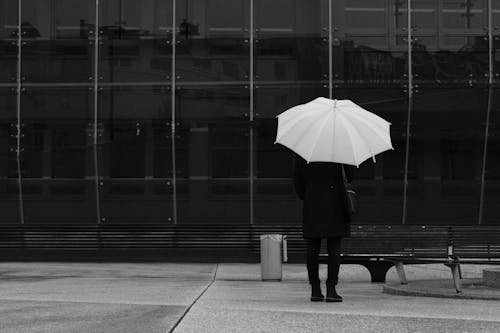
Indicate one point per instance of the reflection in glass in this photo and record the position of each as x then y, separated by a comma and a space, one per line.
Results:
135, 41
212, 102
9, 192
56, 158
491, 213
447, 136
134, 154
294, 44
216, 187
8, 40
450, 42
212, 44
369, 42
495, 16
212, 146
57, 40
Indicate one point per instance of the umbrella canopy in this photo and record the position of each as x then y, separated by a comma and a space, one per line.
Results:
326, 130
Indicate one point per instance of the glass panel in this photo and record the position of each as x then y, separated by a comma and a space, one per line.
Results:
496, 38
135, 165
491, 213
57, 161
8, 40
450, 42
380, 185
294, 44
57, 40
212, 40
369, 41
447, 138
9, 191
212, 154
275, 199
136, 41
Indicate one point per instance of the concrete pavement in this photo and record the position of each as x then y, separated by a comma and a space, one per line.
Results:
102, 297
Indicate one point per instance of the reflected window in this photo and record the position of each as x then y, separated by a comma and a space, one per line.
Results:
450, 44
292, 45
127, 153
56, 46
365, 14
212, 44
273, 160
69, 145
136, 40
34, 144
369, 41
459, 157
229, 152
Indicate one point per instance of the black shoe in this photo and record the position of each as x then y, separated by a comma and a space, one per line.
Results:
331, 294
316, 295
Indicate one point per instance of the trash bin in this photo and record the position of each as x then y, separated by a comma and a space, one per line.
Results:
273, 249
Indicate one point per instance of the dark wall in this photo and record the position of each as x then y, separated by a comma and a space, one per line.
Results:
133, 134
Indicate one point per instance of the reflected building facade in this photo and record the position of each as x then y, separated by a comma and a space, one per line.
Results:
164, 111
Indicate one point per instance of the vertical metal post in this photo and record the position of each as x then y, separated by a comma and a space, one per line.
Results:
251, 153
96, 114
18, 115
488, 112
410, 109
330, 50
490, 42
172, 124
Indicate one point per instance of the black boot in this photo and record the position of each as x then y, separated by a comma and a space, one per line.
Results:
331, 294
316, 295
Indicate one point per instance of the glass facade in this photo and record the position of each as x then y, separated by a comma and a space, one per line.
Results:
164, 111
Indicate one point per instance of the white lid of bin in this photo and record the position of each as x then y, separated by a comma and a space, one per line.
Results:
274, 237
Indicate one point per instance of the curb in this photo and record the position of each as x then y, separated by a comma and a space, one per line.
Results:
472, 289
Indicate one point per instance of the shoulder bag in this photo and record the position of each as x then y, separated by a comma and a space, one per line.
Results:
351, 197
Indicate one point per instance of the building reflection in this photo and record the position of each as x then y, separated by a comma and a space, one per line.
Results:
225, 161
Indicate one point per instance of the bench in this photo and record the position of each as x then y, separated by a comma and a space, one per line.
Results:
377, 246
477, 245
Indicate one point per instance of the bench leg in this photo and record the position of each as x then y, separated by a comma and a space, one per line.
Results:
401, 272
378, 269
456, 272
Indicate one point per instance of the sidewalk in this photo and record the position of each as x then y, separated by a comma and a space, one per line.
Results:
69, 297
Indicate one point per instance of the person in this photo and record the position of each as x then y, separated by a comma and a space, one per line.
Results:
325, 215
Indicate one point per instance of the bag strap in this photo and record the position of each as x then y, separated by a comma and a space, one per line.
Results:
344, 176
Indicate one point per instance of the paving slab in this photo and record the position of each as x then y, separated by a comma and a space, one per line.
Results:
68, 317
98, 297
232, 305
223, 320
491, 277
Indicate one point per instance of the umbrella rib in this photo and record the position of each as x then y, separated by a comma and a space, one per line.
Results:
306, 132
377, 130
290, 123
362, 138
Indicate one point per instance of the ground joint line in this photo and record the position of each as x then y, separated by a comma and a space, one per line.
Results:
194, 302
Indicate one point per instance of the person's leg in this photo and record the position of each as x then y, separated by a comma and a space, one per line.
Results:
334, 247
313, 248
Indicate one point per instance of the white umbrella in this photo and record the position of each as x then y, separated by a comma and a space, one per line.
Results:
326, 130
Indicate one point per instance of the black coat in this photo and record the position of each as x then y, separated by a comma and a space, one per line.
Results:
321, 186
